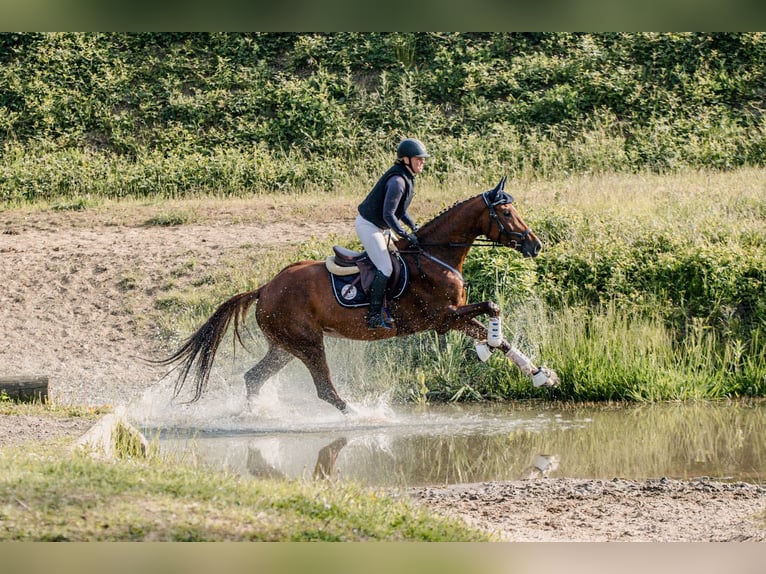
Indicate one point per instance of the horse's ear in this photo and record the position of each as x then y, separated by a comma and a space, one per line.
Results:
495, 193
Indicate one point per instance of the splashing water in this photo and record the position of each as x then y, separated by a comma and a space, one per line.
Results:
287, 431
286, 403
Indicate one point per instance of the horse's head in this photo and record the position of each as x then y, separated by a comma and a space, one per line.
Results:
505, 225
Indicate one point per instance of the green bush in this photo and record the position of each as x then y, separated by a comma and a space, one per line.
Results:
720, 282
335, 104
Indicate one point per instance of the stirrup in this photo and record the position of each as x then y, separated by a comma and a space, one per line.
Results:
387, 317
378, 321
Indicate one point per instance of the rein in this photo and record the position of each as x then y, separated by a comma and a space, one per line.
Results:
476, 243
438, 261
420, 252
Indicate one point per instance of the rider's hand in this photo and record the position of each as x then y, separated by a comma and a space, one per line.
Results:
413, 239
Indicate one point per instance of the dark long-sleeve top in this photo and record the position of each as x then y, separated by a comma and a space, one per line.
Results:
389, 199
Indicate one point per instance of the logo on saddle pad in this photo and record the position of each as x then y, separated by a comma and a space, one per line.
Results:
349, 292
351, 275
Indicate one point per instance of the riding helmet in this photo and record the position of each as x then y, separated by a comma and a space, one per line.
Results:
411, 147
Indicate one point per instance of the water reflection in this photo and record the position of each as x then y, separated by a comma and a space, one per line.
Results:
324, 468
461, 444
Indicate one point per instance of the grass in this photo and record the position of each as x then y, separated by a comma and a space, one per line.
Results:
604, 354
36, 408
49, 496
170, 219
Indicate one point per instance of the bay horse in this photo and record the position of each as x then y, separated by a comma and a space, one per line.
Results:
297, 308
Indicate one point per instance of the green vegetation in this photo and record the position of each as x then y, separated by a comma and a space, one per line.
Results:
178, 114
47, 496
49, 409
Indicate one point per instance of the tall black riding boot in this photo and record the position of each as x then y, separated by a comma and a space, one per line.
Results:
375, 319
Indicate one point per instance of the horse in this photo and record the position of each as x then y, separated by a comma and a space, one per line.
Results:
296, 309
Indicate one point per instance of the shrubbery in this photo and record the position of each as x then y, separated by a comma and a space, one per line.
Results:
201, 112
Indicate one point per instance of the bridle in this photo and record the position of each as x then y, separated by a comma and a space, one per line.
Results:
515, 238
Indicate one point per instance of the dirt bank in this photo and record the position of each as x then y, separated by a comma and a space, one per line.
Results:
77, 290
568, 510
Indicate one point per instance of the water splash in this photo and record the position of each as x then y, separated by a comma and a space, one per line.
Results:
286, 403
157, 408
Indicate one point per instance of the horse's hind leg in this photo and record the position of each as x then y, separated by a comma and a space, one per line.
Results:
313, 356
274, 360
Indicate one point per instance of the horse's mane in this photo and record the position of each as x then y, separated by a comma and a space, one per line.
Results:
444, 212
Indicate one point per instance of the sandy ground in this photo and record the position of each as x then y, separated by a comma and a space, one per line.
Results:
77, 291
576, 510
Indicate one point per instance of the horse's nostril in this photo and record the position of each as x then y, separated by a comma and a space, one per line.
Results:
532, 248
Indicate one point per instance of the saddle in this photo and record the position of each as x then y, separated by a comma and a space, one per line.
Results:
352, 272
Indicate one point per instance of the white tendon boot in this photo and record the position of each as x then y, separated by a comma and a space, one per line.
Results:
495, 332
541, 376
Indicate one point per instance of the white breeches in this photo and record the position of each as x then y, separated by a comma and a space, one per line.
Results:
375, 241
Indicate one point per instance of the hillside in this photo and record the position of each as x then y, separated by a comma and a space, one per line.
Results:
115, 114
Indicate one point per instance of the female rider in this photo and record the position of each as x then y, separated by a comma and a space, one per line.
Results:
381, 212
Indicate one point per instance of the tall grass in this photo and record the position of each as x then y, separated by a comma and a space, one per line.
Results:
605, 354
614, 355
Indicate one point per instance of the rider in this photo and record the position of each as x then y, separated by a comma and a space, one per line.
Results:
381, 211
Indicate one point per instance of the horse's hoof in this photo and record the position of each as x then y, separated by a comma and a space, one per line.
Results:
545, 377
349, 410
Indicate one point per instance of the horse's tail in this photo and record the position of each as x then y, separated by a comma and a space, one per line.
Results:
198, 352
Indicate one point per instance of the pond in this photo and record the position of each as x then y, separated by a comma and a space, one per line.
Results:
421, 445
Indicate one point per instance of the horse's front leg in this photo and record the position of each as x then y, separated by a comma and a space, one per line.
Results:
463, 318
541, 376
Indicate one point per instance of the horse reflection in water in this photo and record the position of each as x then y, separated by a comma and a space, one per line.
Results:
541, 466
297, 308
327, 457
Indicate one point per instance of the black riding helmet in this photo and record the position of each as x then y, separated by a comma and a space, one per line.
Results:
411, 147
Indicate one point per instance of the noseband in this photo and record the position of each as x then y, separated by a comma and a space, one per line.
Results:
514, 237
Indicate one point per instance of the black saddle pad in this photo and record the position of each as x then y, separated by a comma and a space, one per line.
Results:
348, 288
